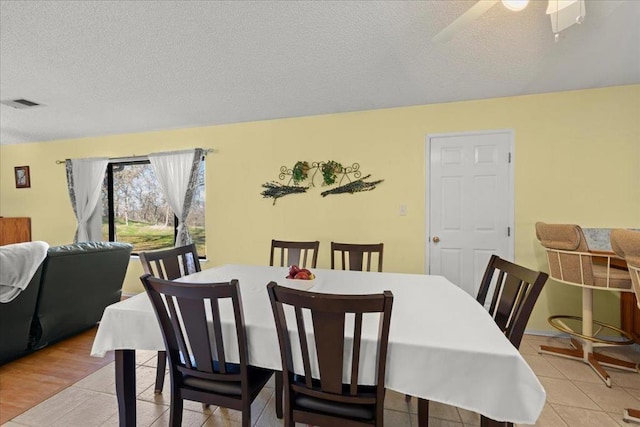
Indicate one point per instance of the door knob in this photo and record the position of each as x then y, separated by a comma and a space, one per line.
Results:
435, 239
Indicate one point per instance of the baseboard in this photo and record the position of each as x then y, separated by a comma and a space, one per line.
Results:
547, 333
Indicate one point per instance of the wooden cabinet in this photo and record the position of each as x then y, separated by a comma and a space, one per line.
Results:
14, 230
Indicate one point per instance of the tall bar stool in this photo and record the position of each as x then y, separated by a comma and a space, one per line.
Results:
626, 244
571, 263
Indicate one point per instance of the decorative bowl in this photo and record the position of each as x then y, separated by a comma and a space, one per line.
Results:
301, 284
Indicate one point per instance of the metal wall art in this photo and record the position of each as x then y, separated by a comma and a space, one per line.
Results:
347, 178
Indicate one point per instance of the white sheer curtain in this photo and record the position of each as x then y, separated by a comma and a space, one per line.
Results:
84, 179
177, 174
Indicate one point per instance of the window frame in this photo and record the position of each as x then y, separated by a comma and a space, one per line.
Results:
110, 199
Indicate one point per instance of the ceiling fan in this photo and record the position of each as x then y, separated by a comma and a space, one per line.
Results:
563, 14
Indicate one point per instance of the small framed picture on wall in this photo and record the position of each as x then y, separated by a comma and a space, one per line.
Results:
23, 180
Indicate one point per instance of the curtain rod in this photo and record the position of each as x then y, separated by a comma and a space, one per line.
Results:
206, 151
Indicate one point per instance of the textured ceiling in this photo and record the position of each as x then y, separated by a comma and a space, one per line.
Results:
122, 66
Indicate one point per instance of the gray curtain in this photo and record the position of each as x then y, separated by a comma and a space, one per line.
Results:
84, 181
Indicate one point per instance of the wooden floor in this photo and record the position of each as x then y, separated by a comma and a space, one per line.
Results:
27, 381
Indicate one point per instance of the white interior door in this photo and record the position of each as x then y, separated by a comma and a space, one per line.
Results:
470, 204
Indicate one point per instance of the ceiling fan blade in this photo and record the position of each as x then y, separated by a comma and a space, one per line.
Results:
463, 20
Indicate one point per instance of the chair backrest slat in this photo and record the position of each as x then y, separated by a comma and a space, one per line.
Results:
356, 255
177, 337
217, 334
355, 365
194, 321
516, 290
291, 256
496, 295
328, 331
294, 253
304, 346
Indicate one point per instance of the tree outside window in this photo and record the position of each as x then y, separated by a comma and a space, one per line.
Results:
135, 210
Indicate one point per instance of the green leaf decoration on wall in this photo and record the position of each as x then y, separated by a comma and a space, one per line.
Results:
348, 179
299, 172
330, 171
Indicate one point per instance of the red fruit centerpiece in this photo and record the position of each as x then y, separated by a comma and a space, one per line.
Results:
298, 273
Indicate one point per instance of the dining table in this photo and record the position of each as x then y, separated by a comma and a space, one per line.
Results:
443, 345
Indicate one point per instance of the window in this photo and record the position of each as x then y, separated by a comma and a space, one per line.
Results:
135, 210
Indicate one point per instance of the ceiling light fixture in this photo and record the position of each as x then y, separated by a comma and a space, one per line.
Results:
555, 6
515, 5
565, 13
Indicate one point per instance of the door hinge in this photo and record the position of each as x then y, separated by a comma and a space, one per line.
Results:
508, 231
509, 156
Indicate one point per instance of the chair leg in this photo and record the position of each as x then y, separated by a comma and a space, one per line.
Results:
488, 422
175, 411
279, 390
423, 412
160, 371
246, 413
632, 415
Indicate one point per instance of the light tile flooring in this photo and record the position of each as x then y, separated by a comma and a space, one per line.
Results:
575, 397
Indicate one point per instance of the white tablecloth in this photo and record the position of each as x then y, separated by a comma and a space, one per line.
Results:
443, 345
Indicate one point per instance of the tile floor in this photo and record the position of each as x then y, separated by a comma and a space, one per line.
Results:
575, 397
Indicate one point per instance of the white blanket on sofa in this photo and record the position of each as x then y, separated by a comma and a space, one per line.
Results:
18, 264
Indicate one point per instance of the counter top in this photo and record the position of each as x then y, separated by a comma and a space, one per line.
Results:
599, 239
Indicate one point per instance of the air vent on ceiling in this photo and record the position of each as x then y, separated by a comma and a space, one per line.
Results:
20, 103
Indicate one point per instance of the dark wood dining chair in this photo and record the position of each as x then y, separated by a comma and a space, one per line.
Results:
352, 256
198, 364
294, 253
515, 293
626, 244
291, 253
169, 264
319, 396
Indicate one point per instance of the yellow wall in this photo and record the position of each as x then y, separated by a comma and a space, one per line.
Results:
577, 159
